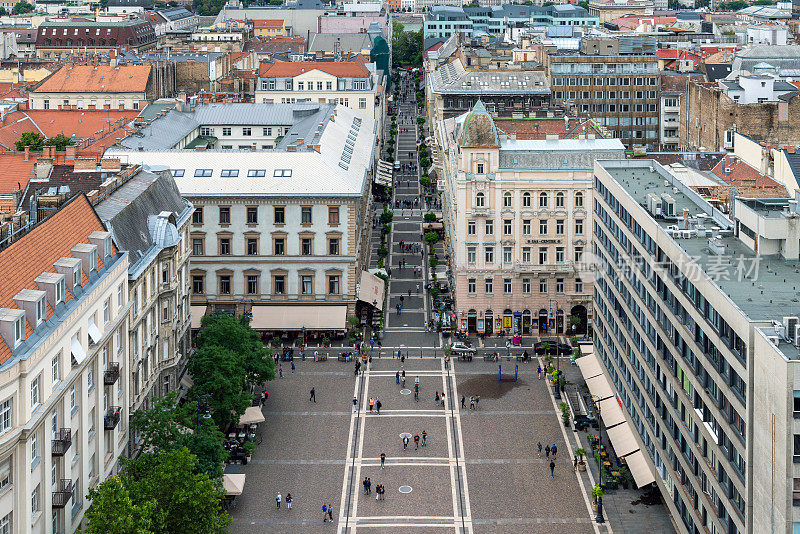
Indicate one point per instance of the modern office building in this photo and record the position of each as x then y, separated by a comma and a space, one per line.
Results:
517, 216
697, 330
619, 91
63, 396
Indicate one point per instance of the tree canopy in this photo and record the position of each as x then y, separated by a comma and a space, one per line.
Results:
158, 493
60, 141
733, 5
32, 140
22, 7
406, 46
230, 357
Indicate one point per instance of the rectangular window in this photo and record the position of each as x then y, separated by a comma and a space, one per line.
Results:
35, 502
543, 285
247, 132
559, 285
279, 246
559, 254
507, 227
542, 226
508, 254
225, 246
229, 173
489, 255
225, 285
333, 284
306, 285
578, 254
487, 286
480, 168
333, 215
305, 246
559, 226
56, 367
470, 254
226, 131
252, 215
542, 255
526, 227
197, 216
198, 248
198, 285
252, 284
506, 286
5, 481
362, 103
578, 285
489, 227
471, 286
526, 286
36, 393
578, 226
471, 228
203, 173
224, 215
279, 284
526, 254
252, 246
5, 416
305, 214
280, 215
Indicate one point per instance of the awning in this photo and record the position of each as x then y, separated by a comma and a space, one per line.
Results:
197, 315
77, 350
371, 289
252, 414
586, 348
640, 469
599, 386
94, 333
611, 413
299, 316
383, 174
622, 439
589, 366
233, 484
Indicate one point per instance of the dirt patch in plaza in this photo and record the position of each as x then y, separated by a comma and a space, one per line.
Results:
488, 387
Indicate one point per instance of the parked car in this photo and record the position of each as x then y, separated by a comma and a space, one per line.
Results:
459, 347
554, 347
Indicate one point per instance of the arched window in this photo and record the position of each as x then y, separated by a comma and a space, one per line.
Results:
507, 199
542, 200
526, 200
479, 200
579, 199
559, 200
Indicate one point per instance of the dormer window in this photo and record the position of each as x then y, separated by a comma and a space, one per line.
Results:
41, 311
76, 277
19, 329
93, 260
60, 291
107, 247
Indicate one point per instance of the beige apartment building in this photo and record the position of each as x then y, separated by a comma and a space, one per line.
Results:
63, 324
518, 221
93, 88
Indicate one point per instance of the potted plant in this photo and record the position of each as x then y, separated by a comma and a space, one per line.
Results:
597, 493
580, 453
249, 447
566, 413
326, 341
625, 476
554, 377
592, 439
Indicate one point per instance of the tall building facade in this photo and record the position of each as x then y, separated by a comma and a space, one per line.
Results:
696, 328
517, 219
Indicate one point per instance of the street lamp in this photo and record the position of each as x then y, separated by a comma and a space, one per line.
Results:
202, 402
599, 517
558, 350
303, 344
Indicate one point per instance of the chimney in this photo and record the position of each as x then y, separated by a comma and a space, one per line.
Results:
72, 151
685, 219
27, 152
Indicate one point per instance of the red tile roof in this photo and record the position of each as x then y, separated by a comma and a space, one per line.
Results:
35, 252
746, 179
540, 128
340, 69
269, 23
99, 79
16, 171
75, 124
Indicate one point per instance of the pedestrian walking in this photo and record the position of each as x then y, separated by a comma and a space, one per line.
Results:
383, 459
463, 401
398, 355
539, 446
292, 366
330, 512
324, 513
371, 403
416, 441
574, 463
554, 450
397, 377
436, 398
280, 371
355, 404
278, 500
424, 438
313, 396
547, 451
405, 442
369, 486
552, 469
263, 399
442, 398
471, 402
539, 371
288, 501
378, 406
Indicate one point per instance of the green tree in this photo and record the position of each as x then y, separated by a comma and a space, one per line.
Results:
431, 238
548, 4
22, 7
188, 500
32, 140
584, 4
3, 12
114, 512
169, 425
733, 5
60, 141
235, 334
406, 46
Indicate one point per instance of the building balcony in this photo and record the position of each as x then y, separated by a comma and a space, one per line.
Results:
111, 375
112, 417
62, 442
62, 496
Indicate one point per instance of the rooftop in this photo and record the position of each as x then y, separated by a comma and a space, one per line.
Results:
93, 79
774, 290
453, 78
340, 69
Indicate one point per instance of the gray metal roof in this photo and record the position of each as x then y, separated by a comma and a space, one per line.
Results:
453, 78
339, 42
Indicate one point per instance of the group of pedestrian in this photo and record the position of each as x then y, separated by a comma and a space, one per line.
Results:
401, 264
327, 513
419, 441
374, 402
400, 377
439, 398
548, 450
473, 401
288, 499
